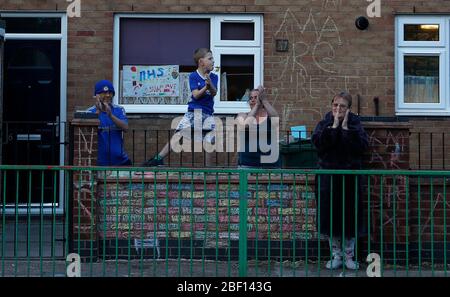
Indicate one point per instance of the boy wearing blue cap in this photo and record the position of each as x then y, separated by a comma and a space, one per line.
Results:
113, 122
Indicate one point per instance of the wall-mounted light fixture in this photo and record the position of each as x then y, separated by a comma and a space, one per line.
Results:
282, 45
362, 23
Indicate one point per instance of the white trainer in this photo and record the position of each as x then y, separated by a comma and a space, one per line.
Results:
349, 254
334, 263
350, 264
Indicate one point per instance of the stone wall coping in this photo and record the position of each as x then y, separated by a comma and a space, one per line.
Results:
85, 122
149, 178
389, 125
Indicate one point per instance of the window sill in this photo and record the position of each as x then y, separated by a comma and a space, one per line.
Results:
422, 112
181, 109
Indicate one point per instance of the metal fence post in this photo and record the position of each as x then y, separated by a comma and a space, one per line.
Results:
243, 205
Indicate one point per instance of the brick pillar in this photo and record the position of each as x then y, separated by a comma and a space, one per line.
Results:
388, 150
84, 187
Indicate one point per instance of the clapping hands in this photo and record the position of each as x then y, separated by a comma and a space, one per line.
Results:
344, 121
102, 106
208, 81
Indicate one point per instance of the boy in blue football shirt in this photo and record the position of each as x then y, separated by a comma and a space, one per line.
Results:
203, 85
113, 122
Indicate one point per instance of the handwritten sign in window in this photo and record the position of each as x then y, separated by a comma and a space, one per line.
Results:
151, 81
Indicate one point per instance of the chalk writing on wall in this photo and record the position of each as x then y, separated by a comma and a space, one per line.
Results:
309, 69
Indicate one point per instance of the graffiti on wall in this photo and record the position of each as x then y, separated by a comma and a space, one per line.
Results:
309, 67
187, 211
388, 193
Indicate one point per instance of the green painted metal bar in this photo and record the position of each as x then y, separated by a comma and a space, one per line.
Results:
445, 226
105, 199
55, 186
141, 260
229, 226
129, 224
16, 224
318, 225
432, 225
381, 225
281, 199
179, 224
343, 221
205, 223
66, 212
331, 220
3, 221
155, 206
420, 228
435, 173
407, 224
369, 209
394, 202
356, 218
80, 177
167, 225
306, 224
191, 268
217, 225
91, 224
269, 244
28, 222
256, 224
294, 221
117, 226
243, 180
41, 224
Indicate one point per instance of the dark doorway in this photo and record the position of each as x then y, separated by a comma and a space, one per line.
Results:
31, 124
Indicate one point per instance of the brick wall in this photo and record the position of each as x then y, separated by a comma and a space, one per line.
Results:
205, 209
326, 54
84, 206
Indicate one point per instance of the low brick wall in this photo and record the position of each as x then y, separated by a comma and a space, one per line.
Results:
204, 207
195, 215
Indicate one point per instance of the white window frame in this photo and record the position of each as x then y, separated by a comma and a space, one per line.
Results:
402, 21
217, 46
442, 85
47, 209
256, 21
423, 48
236, 106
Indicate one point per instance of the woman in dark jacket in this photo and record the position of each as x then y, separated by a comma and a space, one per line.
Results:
340, 141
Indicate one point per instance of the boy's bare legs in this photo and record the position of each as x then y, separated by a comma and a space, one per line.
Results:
165, 151
157, 160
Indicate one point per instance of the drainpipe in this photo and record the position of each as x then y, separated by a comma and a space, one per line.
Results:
376, 101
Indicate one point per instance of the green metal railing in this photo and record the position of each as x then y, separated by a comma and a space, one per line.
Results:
220, 222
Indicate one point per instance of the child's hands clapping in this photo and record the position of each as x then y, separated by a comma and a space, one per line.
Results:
102, 106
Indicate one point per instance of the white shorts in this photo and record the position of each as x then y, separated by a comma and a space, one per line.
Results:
186, 127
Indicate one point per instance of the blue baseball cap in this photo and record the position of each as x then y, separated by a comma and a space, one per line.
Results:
103, 86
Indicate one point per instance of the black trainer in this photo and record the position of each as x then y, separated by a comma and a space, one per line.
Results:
153, 162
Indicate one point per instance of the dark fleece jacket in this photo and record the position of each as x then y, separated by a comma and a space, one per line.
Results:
339, 148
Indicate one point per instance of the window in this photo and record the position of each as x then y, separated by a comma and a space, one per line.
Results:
164, 44
422, 57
